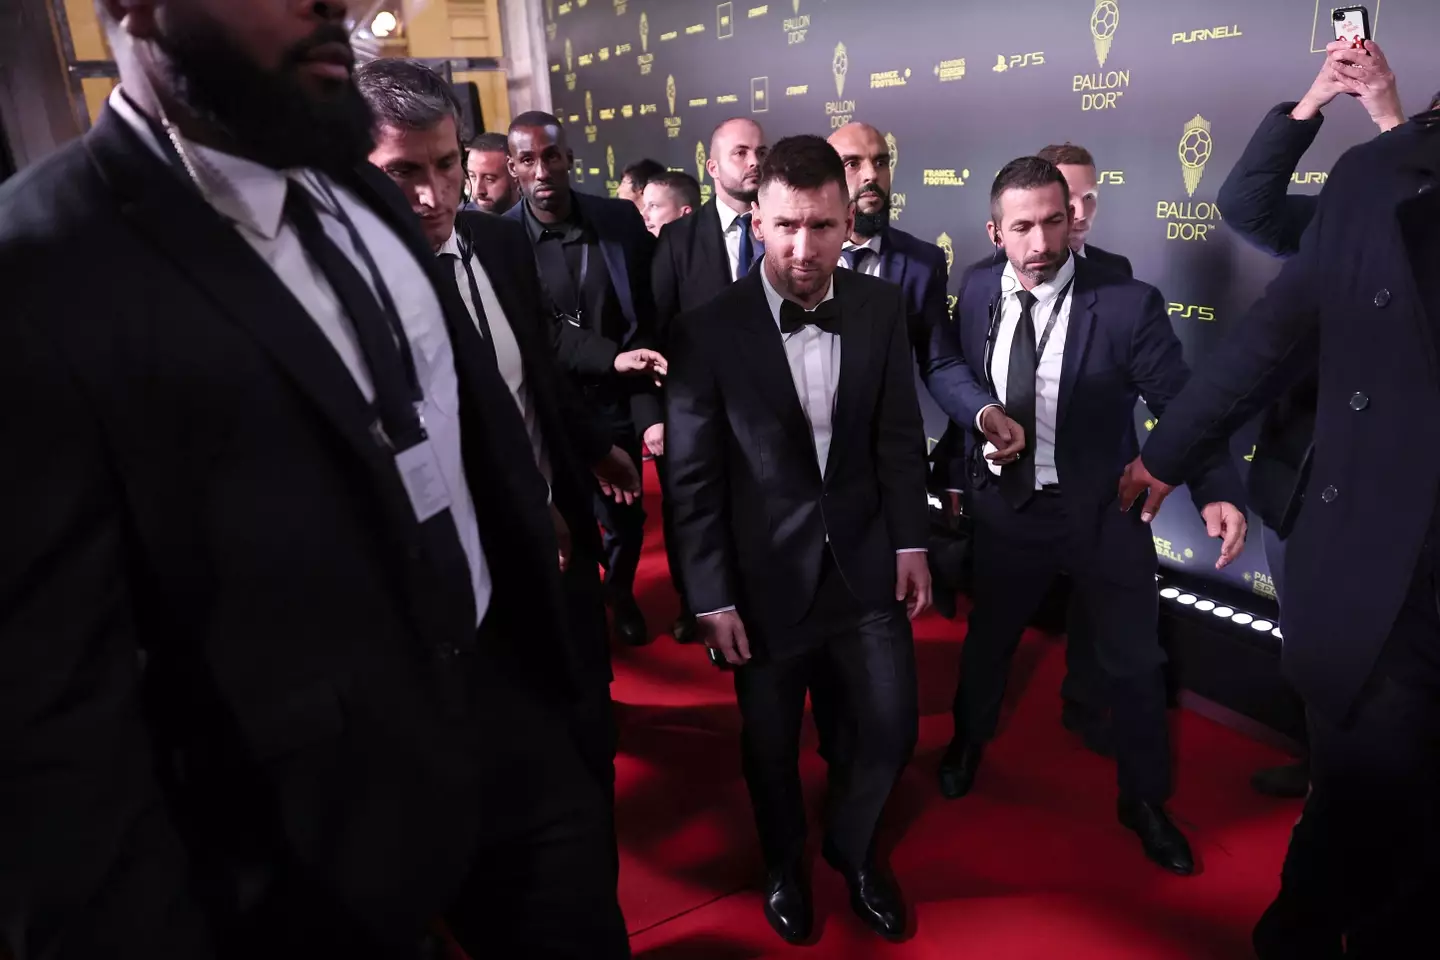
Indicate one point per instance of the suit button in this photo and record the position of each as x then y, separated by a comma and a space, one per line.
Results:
1382, 298
1359, 402
1329, 494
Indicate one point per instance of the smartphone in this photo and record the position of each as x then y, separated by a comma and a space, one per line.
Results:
717, 659
1352, 24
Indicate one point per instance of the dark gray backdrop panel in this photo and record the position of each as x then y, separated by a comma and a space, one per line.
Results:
802, 66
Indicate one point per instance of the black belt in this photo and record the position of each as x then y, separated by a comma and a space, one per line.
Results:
1049, 489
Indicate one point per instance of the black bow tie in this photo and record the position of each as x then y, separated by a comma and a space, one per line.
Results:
826, 316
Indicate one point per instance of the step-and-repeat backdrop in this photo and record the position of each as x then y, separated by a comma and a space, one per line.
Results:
1165, 93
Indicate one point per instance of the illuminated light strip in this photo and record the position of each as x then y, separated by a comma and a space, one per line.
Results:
1205, 605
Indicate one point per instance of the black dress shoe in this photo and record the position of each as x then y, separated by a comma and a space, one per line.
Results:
876, 901
1290, 781
684, 630
630, 625
788, 906
1092, 727
958, 768
1164, 844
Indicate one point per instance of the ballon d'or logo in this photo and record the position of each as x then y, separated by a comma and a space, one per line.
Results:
948, 248
840, 65
610, 161
796, 7
589, 109
670, 93
1103, 24
644, 33
569, 57
892, 147
1195, 146
700, 162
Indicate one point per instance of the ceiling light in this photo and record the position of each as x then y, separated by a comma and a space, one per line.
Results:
384, 24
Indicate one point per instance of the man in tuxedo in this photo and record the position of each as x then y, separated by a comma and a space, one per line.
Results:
1059, 351
593, 255
417, 144
698, 257
280, 565
1360, 303
798, 478
487, 165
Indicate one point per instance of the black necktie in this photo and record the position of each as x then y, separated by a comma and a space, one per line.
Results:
452, 263
855, 256
826, 316
1017, 480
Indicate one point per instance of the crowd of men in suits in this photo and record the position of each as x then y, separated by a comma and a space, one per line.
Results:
305, 645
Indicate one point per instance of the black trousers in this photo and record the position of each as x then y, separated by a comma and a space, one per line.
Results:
1018, 554
1085, 684
622, 529
667, 519
872, 660
1364, 858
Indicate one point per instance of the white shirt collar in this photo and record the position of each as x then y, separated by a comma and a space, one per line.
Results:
873, 244
1081, 251
246, 192
774, 299
1042, 291
727, 215
451, 246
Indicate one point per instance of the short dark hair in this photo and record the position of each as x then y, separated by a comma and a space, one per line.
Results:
685, 187
490, 143
1435, 102
1025, 173
1067, 154
535, 118
804, 162
642, 172
407, 95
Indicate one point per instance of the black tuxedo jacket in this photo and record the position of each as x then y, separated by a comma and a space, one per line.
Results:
691, 266
1113, 262
200, 485
628, 249
1352, 299
1119, 347
751, 508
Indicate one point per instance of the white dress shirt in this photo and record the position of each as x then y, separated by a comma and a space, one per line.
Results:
730, 228
252, 198
1047, 371
502, 336
870, 265
814, 358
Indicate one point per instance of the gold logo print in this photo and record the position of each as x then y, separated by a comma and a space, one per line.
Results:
948, 248
569, 57
610, 161
840, 65
644, 33
1195, 146
892, 147
670, 92
1000, 64
1103, 24
589, 109
549, 9
796, 7
699, 162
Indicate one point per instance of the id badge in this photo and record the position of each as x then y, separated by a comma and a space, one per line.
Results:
420, 473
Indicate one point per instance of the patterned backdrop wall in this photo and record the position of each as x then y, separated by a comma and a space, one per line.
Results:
1165, 93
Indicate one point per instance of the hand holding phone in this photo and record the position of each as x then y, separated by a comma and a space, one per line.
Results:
1352, 24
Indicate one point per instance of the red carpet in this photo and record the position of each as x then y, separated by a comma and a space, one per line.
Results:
1031, 865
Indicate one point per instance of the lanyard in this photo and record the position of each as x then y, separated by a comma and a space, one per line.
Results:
1039, 347
577, 290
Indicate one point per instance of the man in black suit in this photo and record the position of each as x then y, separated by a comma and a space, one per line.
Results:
418, 145
1255, 201
699, 256
246, 706
1077, 166
1059, 352
593, 255
1361, 299
798, 475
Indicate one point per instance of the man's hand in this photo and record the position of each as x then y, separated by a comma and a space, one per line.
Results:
725, 632
1327, 85
1369, 79
1226, 522
562, 536
1137, 480
912, 582
619, 480
655, 440
635, 363
1007, 436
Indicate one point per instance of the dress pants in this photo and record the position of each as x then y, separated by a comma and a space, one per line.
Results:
667, 520
1364, 858
871, 655
622, 531
1111, 558
1085, 683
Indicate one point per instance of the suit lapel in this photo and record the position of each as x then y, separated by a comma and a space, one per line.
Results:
612, 251
892, 260
710, 246
759, 340
1077, 338
859, 351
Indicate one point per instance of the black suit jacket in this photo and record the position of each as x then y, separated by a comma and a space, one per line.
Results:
1113, 262
1256, 203
200, 485
1350, 299
751, 509
1119, 347
628, 250
691, 266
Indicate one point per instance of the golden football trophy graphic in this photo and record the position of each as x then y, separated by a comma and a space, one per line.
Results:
1195, 147
589, 110
892, 147
699, 162
840, 65
550, 10
670, 93
796, 7
610, 162
947, 247
569, 57
644, 33
1103, 24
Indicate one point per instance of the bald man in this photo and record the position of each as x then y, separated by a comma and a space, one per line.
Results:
700, 255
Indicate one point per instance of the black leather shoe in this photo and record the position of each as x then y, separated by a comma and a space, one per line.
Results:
1290, 781
1093, 728
1164, 844
630, 626
684, 630
876, 901
788, 906
958, 768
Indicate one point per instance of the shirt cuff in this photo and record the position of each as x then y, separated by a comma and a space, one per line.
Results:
714, 612
953, 490
981, 415
913, 550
